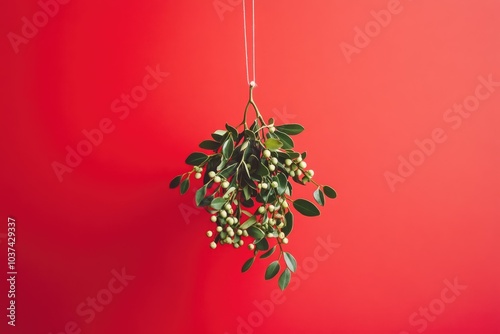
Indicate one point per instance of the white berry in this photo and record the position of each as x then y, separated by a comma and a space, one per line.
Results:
209, 234
211, 174
217, 179
267, 153
213, 219
213, 245
197, 176
274, 184
219, 229
285, 240
302, 164
251, 246
224, 184
272, 168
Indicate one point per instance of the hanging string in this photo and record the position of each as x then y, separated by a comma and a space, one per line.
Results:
251, 83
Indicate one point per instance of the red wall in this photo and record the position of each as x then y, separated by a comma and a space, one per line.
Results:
376, 99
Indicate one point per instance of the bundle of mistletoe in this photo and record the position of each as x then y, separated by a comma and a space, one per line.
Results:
247, 188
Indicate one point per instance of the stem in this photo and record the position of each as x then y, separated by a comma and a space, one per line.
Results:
314, 182
281, 250
251, 102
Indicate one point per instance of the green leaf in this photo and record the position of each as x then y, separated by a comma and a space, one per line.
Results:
228, 148
196, 158
184, 186
248, 263
248, 203
262, 170
250, 221
255, 233
219, 135
284, 279
288, 223
255, 126
282, 182
232, 131
175, 182
273, 144
329, 191
268, 253
222, 164
246, 193
228, 171
289, 189
218, 203
290, 129
306, 208
290, 261
200, 195
210, 145
206, 201
285, 139
262, 244
245, 212
272, 270
293, 154
282, 156
318, 197
249, 134
229, 191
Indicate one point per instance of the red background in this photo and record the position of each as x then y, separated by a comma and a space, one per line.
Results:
115, 210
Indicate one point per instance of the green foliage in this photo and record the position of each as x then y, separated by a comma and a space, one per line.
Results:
248, 263
268, 253
290, 261
284, 279
319, 197
291, 129
329, 192
306, 208
272, 269
245, 183
196, 158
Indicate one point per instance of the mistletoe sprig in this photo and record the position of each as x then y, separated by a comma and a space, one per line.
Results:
247, 188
